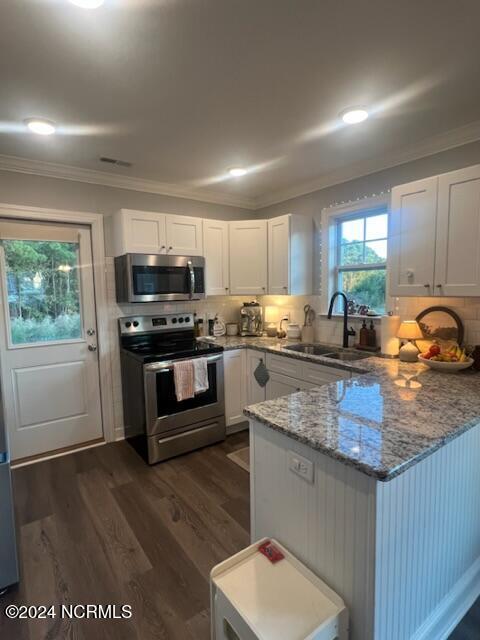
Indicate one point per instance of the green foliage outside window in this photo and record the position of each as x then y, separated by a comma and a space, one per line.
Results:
43, 290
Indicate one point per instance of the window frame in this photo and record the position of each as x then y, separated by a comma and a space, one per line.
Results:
331, 218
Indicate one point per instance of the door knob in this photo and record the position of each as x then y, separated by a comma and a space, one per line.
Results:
90, 332
92, 347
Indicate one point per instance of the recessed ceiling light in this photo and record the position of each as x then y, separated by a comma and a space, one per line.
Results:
236, 172
88, 4
354, 116
41, 126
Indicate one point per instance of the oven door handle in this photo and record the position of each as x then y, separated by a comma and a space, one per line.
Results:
192, 278
164, 367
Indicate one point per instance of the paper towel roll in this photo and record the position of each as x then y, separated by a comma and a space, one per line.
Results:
389, 342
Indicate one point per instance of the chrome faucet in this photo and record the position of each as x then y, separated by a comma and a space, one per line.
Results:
346, 331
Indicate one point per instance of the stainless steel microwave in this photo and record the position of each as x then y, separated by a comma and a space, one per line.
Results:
156, 278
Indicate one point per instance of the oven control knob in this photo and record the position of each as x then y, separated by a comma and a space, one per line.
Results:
187, 319
128, 324
174, 321
180, 319
135, 323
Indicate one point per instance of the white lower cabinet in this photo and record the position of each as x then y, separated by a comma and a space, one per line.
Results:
235, 387
255, 393
280, 385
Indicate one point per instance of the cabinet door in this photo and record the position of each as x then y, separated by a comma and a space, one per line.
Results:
279, 255
184, 236
457, 266
248, 257
215, 247
235, 379
142, 232
255, 393
411, 247
279, 385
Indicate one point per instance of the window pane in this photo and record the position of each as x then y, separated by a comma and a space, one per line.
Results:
352, 230
351, 253
43, 290
377, 227
375, 251
365, 287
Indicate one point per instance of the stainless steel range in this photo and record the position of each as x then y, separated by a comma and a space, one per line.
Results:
157, 425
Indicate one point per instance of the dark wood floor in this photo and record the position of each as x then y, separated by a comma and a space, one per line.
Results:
101, 527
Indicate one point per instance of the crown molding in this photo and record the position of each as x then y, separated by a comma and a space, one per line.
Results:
103, 178
424, 148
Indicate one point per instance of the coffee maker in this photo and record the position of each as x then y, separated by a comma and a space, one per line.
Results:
251, 319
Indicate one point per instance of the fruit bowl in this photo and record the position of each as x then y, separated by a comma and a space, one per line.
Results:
451, 367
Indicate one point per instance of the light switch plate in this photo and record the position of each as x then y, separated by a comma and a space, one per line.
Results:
300, 466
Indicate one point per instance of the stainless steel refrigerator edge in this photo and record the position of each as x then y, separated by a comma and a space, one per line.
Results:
8, 550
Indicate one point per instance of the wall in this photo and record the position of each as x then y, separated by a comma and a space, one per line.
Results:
312, 205
38, 191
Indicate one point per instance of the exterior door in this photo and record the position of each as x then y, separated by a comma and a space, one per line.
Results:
49, 367
457, 266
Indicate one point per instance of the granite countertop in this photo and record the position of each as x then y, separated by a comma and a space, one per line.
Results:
386, 418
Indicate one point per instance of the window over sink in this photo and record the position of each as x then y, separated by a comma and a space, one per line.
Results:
359, 257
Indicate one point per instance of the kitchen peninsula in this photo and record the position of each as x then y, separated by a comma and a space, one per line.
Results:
374, 483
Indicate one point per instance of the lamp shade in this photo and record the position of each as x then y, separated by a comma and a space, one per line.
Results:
271, 314
409, 330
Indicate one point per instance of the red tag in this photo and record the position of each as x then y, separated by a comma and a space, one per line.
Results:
271, 552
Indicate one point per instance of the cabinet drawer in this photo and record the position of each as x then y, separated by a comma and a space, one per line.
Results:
285, 365
319, 374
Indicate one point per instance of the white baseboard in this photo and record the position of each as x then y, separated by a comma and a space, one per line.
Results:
235, 428
446, 616
119, 433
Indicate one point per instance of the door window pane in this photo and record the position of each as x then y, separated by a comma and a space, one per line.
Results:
43, 290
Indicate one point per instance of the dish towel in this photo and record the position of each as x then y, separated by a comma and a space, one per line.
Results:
184, 379
200, 375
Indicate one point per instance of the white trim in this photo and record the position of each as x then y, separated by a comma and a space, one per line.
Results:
51, 456
428, 147
449, 612
91, 176
328, 239
95, 221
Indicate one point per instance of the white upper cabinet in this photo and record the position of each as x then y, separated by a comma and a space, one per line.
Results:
290, 255
158, 233
411, 247
434, 246
184, 235
215, 247
457, 263
248, 257
138, 232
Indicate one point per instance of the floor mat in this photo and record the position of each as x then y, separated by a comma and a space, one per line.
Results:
241, 457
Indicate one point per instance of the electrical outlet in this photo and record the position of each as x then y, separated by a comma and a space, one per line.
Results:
300, 466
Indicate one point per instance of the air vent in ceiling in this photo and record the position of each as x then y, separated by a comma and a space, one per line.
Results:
119, 163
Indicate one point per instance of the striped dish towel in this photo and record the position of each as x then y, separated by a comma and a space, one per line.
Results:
184, 379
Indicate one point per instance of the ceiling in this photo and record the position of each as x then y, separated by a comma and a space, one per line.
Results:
185, 89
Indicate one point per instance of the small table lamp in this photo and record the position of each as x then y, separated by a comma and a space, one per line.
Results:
409, 331
271, 321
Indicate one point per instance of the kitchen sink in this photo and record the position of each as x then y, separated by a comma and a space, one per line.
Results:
347, 356
313, 349
328, 351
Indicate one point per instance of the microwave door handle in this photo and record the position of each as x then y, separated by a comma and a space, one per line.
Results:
192, 278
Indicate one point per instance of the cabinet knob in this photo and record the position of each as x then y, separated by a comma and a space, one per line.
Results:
163, 246
439, 286
226, 288
170, 248
427, 286
263, 288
